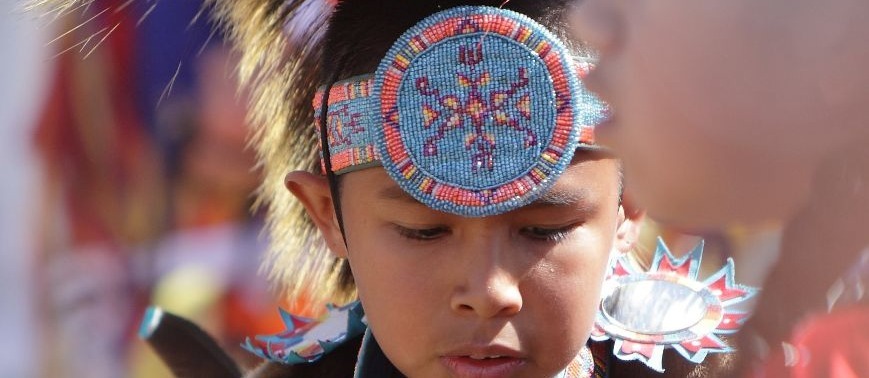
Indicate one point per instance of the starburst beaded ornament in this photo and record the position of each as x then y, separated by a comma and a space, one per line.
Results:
645, 312
474, 111
307, 340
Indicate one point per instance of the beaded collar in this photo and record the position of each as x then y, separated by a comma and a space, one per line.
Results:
474, 111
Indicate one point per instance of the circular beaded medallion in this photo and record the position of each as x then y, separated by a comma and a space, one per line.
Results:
481, 110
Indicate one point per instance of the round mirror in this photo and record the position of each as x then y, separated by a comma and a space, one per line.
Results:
654, 306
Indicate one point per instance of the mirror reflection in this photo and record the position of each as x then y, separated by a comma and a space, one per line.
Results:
654, 306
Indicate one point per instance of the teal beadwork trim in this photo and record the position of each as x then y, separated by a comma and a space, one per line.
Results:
307, 340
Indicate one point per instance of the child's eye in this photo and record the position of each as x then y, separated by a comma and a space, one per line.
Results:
423, 233
547, 234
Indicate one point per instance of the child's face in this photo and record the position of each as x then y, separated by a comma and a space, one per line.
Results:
722, 108
440, 288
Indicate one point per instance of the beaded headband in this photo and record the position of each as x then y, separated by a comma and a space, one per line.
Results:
474, 111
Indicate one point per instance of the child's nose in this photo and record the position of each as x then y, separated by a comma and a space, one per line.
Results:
488, 288
498, 296
597, 23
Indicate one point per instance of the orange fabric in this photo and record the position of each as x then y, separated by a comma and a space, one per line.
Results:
829, 345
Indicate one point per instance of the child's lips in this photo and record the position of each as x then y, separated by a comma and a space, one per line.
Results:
468, 367
486, 362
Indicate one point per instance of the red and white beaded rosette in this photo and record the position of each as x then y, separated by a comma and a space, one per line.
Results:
667, 306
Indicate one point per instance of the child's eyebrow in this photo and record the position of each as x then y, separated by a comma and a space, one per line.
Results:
557, 197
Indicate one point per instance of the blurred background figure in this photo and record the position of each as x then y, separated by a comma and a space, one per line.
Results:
24, 73
102, 197
205, 268
737, 122
127, 183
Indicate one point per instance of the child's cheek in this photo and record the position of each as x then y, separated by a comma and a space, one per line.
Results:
560, 301
399, 294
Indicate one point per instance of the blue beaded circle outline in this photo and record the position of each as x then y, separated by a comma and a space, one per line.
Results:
438, 192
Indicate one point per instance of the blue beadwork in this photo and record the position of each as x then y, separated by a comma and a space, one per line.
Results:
492, 131
474, 111
464, 172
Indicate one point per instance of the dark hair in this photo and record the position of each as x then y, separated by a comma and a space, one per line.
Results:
360, 32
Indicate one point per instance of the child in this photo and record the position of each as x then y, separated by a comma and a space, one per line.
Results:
461, 185
477, 238
749, 111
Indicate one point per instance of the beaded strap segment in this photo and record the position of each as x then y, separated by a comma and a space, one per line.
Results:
349, 130
474, 111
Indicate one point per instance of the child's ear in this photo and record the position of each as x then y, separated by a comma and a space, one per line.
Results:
630, 220
313, 191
